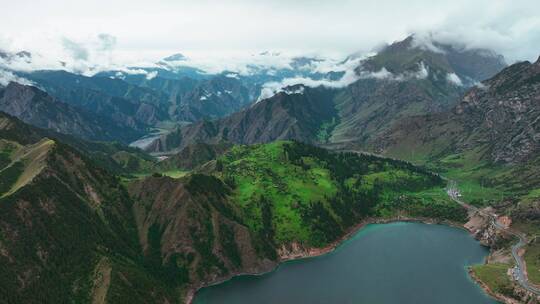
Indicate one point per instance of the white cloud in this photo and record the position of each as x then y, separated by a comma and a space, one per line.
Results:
6, 77
454, 79
232, 75
381, 74
299, 91
351, 75
76, 50
425, 41
151, 75
107, 42
271, 88
422, 73
63, 30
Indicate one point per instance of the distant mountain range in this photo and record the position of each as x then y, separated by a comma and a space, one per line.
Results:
36, 107
133, 102
402, 80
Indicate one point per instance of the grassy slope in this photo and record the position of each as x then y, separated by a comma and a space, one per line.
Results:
22, 164
532, 258
480, 182
495, 277
303, 191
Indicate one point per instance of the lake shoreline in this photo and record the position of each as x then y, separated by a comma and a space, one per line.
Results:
307, 253
488, 290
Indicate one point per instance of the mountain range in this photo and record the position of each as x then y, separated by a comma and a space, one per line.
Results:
231, 183
402, 80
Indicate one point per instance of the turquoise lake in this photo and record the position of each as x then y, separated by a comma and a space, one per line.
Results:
406, 263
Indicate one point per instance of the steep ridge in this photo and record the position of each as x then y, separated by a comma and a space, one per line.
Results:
115, 157
141, 100
54, 244
298, 113
27, 161
192, 225
115, 99
37, 108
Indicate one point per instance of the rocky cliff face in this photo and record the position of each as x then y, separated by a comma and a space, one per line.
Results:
503, 112
500, 116
482, 229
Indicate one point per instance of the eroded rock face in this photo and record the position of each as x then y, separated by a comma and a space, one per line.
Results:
198, 231
504, 112
483, 229
499, 117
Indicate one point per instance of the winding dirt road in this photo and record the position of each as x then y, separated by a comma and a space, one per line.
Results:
519, 273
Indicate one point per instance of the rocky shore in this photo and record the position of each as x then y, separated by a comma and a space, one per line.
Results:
484, 231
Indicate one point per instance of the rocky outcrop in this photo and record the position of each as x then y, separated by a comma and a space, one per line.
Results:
484, 230
504, 112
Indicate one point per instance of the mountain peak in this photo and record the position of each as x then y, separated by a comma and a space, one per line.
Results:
406, 55
175, 57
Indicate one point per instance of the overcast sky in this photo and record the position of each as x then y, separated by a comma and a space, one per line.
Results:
121, 30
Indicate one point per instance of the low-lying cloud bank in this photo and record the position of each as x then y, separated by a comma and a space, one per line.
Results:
352, 72
7, 76
349, 76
